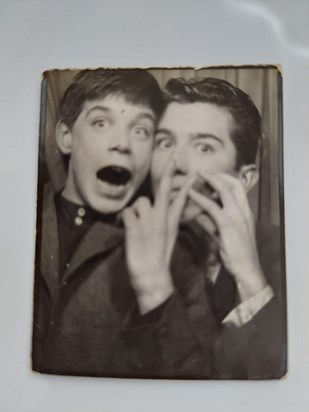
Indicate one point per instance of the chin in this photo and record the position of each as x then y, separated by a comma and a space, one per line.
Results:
109, 206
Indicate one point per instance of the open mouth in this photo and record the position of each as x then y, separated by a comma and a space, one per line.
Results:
114, 175
200, 186
204, 188
207, 190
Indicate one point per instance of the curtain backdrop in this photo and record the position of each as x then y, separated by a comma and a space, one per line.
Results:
261, 83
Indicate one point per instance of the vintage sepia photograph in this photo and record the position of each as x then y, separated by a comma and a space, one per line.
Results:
160, 249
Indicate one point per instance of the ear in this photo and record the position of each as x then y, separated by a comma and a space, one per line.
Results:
248, 175
64, 138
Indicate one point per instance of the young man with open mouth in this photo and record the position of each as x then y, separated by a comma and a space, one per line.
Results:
82, 291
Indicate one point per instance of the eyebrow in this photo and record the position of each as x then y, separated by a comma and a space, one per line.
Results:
207, 136
164, 131
101, 108
144, 115
194, 136
105, 109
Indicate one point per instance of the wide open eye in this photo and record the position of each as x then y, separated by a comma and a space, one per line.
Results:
140, 132
164, 143
203, 148
100, 124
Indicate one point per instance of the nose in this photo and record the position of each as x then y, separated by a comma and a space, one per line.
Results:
119, 141
180, 157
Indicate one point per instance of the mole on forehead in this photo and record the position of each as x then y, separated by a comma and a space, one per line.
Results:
123, 111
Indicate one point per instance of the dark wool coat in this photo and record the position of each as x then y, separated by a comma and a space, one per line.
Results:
82, 323
85, 324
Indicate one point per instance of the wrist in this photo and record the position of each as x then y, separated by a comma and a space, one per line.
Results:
251, 283
154, 295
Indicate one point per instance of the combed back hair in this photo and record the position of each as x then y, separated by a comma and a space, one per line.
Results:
137, 86
246, 128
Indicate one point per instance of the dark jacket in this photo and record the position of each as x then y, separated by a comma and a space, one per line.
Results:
75, 322
256, 350
83, 323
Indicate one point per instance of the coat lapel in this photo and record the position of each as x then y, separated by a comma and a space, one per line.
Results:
100, 239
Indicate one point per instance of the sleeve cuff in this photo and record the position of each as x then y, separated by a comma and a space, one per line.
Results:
245, 311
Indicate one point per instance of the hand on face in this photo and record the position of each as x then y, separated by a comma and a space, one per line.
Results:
151, 232
193, 211
234, 230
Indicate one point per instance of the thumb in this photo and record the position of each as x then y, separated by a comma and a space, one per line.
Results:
208, 225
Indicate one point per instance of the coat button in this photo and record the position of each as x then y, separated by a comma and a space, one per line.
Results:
81, 211
78, 221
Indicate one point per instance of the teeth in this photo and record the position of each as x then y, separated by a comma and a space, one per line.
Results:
115, 175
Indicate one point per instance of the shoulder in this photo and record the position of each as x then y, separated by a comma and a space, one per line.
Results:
268, 233
270, 243
46, 200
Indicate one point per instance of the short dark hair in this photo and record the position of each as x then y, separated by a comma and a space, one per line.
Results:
246, 130
136, 85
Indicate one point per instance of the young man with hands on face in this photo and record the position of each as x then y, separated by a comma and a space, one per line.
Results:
216, 284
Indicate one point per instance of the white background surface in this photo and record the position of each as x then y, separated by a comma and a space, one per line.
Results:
38, 35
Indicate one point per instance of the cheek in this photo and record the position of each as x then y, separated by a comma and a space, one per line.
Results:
81, 158
141, 155
82, 147
216, 163
158, 165
91, 149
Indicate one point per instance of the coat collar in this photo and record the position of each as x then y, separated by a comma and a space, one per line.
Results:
100, 239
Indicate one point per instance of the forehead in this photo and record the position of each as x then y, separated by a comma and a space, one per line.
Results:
196, 118
117, 105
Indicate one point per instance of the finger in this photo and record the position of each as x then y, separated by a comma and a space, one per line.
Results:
162, 198
222, 188
174, 215
208, 224
142, 208
238, 190
129, 219
178, 204
208, 206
